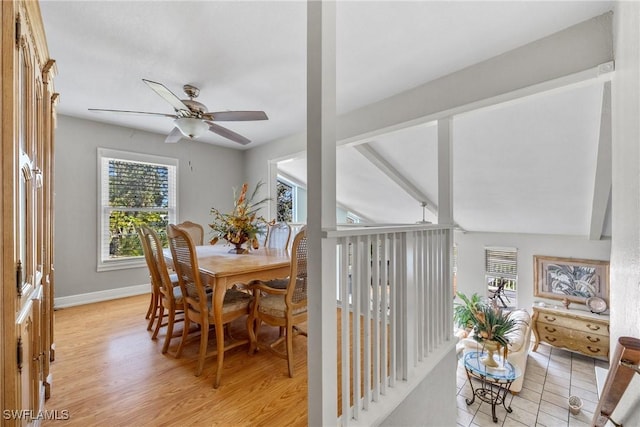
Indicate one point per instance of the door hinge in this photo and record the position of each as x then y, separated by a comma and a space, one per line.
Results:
19, 354
19, 278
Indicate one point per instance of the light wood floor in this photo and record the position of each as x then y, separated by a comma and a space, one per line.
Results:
108, 372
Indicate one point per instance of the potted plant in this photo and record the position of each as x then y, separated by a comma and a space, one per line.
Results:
463, 313
243, 225
490, 325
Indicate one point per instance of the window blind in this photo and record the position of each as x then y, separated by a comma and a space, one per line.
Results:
501, 262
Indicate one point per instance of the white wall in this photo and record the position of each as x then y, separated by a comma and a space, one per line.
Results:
470, 276
424, 406
625, 245
206, 176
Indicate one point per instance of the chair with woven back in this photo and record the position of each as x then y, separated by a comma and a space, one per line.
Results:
285, 308
278, 236
198, 303
155, 311
169, 292
196, 232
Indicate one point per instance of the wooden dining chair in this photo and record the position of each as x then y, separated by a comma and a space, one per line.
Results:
196, 232
285, 308
169, 291
198, 304
154, 312
278, 236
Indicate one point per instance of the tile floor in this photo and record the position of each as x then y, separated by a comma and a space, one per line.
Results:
552, 375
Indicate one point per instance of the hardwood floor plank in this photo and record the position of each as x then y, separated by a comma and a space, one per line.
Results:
108, 371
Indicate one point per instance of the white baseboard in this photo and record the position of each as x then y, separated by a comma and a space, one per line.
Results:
109, 294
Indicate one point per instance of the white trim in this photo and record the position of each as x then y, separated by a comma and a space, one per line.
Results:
106, 295
104, 155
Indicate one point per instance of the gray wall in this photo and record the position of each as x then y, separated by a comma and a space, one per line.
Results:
471, 246
206, 176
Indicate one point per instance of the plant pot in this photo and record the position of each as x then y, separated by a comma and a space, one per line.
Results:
575, 404
238, 249
490, 347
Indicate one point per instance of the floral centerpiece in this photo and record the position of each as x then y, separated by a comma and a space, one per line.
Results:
490, 326
242, 225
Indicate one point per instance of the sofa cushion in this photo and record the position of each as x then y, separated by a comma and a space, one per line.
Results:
517, 337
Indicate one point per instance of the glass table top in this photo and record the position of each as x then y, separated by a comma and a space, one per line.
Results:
504, 372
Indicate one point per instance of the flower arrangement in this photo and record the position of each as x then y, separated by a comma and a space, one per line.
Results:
243, 224
489, 324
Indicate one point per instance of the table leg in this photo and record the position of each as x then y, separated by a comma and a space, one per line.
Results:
473, 393
218, 301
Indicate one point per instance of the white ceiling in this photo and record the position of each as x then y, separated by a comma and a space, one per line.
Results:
526, 167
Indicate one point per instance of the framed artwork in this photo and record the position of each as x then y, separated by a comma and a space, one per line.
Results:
570, 278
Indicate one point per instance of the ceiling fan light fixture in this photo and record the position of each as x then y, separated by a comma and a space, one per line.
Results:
190, 127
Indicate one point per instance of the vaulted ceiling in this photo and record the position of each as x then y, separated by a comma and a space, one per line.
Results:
527, 166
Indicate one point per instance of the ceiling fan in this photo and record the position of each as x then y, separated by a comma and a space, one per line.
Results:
191, 118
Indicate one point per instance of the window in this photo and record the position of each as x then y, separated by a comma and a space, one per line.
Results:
134, 189
286, 201
501, 264
353, 218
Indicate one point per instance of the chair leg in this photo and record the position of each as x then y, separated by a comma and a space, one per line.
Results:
290, 348
253, 339
185, 334
204, 339
167, 338
150, 309
159, 324
154, 310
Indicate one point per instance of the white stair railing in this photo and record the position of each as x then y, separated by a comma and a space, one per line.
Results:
394, 292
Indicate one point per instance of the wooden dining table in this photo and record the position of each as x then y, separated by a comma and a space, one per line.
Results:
221, 270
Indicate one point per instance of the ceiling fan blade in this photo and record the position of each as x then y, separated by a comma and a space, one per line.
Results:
227, 133
236, 116
102, 110
167, 95
174, 136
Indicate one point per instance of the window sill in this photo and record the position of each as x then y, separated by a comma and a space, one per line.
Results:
120, 265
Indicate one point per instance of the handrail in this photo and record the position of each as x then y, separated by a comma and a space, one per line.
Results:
344, 231
624, 364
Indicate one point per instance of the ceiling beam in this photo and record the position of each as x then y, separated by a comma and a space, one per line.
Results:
396, 176
578, 54
603, 179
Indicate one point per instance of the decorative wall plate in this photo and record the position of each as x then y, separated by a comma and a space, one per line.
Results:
596, 304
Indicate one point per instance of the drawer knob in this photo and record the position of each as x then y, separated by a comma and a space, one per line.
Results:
550, 339
593, 327
596, 339
593, 350
552, 330
550, 318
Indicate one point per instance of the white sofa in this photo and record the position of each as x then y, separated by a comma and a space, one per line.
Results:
519, 343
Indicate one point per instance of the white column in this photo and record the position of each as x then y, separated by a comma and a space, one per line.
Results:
321, 205
445, 171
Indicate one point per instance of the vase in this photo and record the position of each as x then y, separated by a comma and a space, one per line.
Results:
491, 347
238, 249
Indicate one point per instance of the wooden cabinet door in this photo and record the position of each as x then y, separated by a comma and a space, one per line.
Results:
26, 219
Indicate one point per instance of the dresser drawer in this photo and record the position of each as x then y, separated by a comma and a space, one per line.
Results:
585, 325
589, 344
576, 331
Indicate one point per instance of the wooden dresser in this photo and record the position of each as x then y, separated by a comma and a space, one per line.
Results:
575, 330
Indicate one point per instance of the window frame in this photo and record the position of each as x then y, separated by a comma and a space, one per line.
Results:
103, 210
492, 275
294, 197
